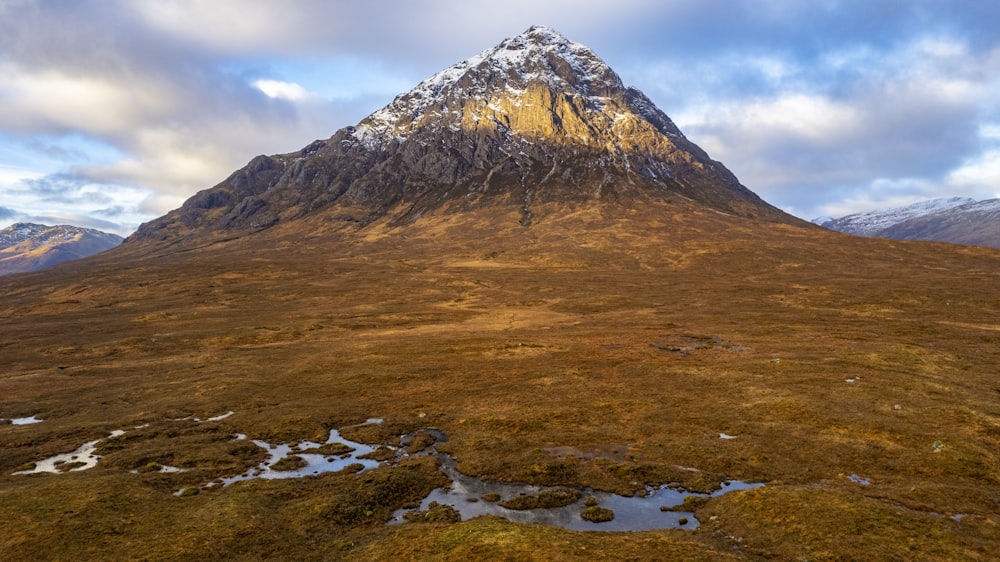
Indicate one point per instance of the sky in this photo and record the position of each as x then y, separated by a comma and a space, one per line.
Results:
113, 112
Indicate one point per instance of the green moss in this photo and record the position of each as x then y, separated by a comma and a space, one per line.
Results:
596, 514
435, 513
558, 497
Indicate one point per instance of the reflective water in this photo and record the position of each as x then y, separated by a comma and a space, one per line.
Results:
466, 494
315, 463
860, 480
80, 459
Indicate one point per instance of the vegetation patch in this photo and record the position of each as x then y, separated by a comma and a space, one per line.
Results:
332, 449
690, 504
556, 497
420, 441
435, 513
597, 514
380, 454
372, 496
289, 463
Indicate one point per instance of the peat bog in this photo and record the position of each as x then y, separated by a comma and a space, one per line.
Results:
547, 360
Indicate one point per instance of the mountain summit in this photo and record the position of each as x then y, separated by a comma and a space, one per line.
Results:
535, 122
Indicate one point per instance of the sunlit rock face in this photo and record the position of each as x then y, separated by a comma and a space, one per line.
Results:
536, 120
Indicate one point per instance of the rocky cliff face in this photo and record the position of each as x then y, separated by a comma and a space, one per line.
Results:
30, 247
536, 119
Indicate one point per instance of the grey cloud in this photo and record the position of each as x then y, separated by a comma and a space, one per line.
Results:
7, 213
85, 221
60, 187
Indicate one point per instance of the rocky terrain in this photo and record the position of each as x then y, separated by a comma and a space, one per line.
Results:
522, 276
30, 247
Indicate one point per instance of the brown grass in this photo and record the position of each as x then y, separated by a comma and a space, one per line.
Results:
611, 357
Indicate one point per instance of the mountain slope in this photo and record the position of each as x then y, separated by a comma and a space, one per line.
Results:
537, 119
959, 220
976, 223
870, 223
30, 247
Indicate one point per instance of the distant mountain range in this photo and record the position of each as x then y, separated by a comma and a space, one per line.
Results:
959, 220
30, 247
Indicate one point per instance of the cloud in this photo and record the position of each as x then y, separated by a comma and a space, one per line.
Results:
282, 90
810, 103
7, 214
77, 219
843, 130
68, 195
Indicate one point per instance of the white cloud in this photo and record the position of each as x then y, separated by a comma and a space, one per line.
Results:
980, 175
282, 90
10, 175
55, 101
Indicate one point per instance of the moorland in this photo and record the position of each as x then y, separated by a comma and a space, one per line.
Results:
599, 347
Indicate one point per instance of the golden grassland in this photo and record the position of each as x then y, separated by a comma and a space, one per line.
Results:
588, 350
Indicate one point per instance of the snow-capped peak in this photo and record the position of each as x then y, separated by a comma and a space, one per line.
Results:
870, 222
539, 55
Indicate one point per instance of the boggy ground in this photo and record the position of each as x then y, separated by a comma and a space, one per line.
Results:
609, 352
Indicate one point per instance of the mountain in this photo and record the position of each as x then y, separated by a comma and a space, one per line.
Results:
958, 220
30, 247
534, 121
976, 223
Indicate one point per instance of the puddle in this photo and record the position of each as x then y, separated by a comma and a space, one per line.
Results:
80, 459
211, 419
312, 463
23, 421
466, 494
161, 468
859, 480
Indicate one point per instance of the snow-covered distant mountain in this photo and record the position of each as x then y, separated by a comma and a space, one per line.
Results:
959, 220
870, 223
30, 247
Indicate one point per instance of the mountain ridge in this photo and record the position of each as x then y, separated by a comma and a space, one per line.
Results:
958, 220
28, 247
